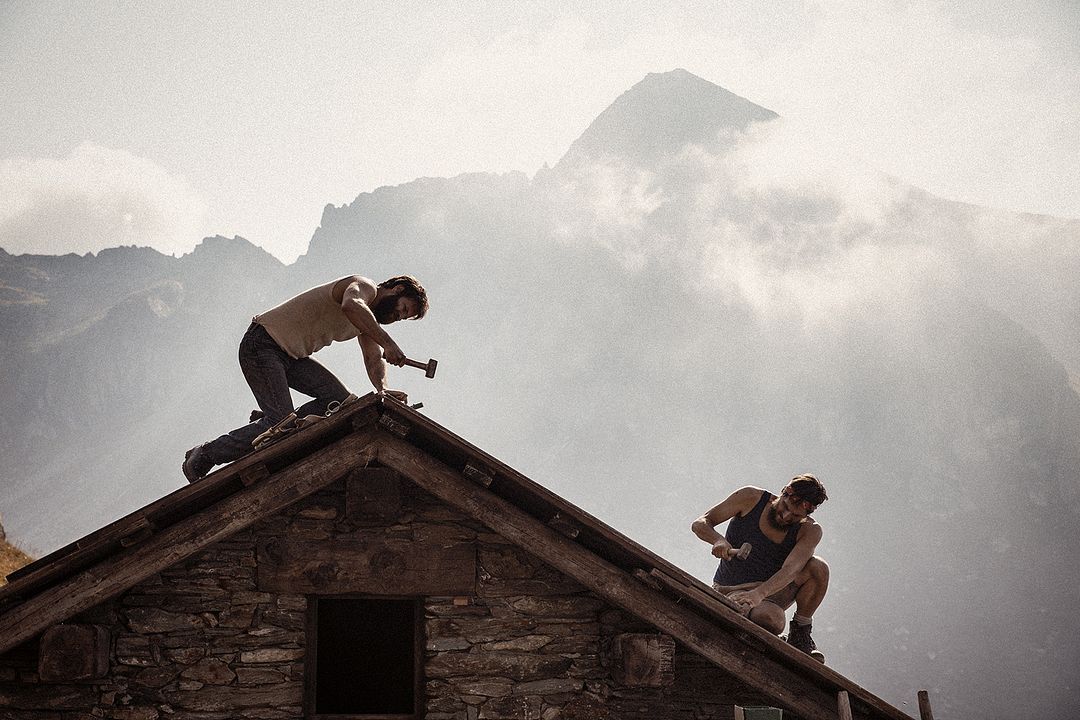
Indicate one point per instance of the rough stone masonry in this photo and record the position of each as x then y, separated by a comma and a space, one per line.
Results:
220, 636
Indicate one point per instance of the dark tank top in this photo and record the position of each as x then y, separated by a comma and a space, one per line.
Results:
766, 556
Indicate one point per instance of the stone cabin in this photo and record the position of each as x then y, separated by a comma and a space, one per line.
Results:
374, 565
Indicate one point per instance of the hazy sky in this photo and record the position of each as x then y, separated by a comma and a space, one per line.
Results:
154, 123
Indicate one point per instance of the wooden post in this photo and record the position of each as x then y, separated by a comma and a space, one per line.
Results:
843, 705
925, 713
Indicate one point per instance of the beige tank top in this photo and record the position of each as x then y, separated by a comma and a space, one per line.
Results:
308, 322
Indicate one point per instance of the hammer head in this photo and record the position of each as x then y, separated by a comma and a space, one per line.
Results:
431, 365
743, 552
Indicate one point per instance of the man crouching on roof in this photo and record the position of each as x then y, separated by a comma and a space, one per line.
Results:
781, 568
275, 355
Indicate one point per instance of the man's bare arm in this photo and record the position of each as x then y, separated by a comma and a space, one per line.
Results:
738, 503
355, 303
373, 362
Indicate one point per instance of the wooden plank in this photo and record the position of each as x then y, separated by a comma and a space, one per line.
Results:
565, 525
843, 706
925, 713
711, 602
377, 566
74, 653
115, 574
477, 475
253, 474
776, 681
643, 659
136, 538
648, 579
397, 428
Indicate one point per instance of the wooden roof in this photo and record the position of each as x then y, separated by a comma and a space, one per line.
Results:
108, 561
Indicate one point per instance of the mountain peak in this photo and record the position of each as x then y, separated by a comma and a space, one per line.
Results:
660, 115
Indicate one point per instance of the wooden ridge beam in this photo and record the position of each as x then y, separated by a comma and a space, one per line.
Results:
782, 685
113, 575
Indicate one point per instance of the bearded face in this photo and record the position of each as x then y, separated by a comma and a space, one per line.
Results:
385, 309
787, 510
774, 519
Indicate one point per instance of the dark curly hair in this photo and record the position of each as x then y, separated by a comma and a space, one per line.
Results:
809, 488
413, 289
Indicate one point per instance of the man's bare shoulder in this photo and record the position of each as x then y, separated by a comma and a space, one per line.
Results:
810, 529
362, 287
745, 498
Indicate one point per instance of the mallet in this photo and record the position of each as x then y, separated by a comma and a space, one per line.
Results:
428, 367
743, 552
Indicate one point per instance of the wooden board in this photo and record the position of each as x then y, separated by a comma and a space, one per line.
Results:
380, 567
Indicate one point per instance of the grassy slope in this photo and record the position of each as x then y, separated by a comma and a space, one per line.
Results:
11, 558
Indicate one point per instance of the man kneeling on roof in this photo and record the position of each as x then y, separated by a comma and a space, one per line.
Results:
781, 568
275, 355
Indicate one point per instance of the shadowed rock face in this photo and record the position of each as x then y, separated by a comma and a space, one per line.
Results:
643, 329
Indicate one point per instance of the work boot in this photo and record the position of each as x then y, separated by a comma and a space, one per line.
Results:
799, 638
196, 463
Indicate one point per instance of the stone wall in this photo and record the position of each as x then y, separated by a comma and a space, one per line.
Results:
217, 636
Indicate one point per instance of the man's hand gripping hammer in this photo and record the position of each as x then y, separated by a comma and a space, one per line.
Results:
742, 553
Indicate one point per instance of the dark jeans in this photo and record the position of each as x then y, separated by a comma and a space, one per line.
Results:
270, 372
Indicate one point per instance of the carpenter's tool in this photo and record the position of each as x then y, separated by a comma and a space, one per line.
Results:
428, 367
743, 552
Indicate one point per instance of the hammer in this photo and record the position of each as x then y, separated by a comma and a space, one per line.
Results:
428, 367
742, 553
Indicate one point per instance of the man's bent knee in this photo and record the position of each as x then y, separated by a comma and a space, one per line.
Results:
769, 616
816, 570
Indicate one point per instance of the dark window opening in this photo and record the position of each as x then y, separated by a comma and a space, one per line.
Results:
366, 657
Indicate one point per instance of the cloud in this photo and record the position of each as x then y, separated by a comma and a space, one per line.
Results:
608, 203
975, 111
779, 219
94, 198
